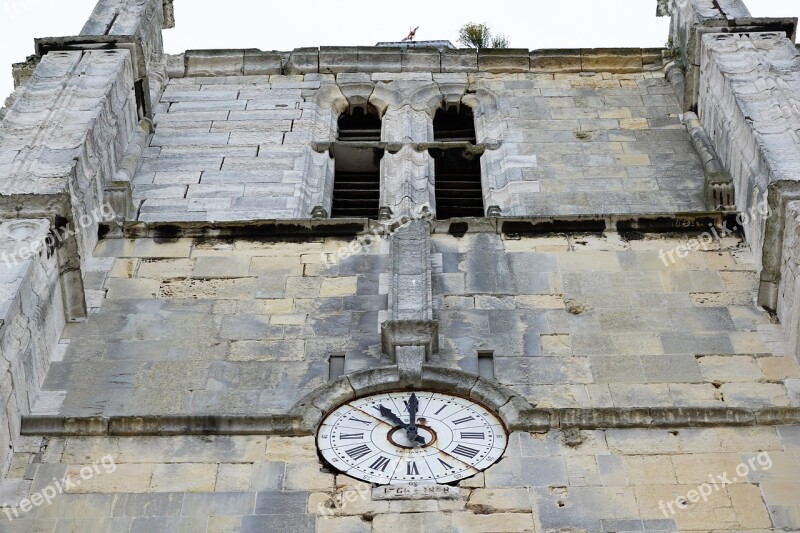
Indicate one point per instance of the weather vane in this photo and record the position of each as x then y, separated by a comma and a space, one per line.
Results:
411, 34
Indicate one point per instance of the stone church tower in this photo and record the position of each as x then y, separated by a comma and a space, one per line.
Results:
402, 288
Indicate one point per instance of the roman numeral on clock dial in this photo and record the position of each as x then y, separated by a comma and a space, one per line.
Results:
411, 469
463, 420
447, 466
473, 435
358, 452
380, 464
465, 451
356, 436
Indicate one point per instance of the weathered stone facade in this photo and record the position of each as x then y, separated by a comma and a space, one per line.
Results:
173, 290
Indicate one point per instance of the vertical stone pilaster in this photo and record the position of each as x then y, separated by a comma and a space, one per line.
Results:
411, 335
407, 125
407, 182
410, 293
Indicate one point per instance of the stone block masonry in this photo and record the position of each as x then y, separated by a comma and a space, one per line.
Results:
612, 480
570, 144
199, 338
578, 321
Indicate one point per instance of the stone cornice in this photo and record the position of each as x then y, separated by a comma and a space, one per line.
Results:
677, 223
372, 59
533, 420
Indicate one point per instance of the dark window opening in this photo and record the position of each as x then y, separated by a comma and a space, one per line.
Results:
360, 124
457, 123
458, 183
335, 367
486, 364
356, 182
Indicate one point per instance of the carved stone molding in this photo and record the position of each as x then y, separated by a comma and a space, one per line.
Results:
317, 189
407, 125
504, 182
329, 103
407, 182
396, 333
719, 189
357, 89
398, 93
490, 118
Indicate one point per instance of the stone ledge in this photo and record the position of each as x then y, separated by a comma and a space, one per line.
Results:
533, 420
119, 426
677, 223
372, 59
256, 229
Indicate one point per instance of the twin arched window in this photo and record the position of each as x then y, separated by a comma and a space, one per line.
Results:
356, 186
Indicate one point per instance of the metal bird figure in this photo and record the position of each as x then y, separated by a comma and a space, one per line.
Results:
411, 34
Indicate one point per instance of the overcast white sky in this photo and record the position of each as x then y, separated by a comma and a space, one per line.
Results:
274, 25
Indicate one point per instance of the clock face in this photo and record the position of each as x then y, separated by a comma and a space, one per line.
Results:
373, 438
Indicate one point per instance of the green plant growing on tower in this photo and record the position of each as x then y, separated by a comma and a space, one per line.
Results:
474, 35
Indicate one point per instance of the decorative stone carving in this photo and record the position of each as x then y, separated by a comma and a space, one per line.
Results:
317, 190
719, 188
490, 119
329, 103
396, 333
420, 96
407, 182
676, 75
357, 89
407, 125
504, 182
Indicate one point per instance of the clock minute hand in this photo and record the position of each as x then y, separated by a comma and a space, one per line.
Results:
413, 406
411, 428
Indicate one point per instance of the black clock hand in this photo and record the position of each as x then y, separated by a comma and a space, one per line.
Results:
411, 428
391, 416
413, 405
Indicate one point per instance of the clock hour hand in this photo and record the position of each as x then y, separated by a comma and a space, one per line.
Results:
391, 416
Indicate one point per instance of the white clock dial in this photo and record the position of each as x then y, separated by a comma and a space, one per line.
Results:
372, 438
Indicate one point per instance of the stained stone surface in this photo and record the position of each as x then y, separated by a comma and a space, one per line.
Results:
603, 327
236, 147
194, 327
614, 480
200, 327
